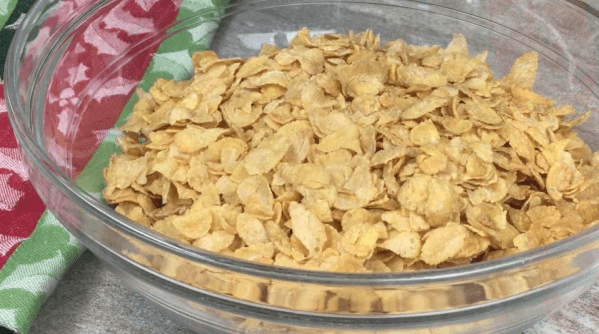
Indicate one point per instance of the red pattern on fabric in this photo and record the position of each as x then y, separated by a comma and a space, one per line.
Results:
126, 22
82, 83
20, 207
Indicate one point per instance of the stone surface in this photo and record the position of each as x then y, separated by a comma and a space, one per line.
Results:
90, 299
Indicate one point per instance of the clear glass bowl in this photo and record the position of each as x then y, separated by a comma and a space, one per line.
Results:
62, 102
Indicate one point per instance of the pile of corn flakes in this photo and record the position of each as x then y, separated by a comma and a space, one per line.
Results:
337, 154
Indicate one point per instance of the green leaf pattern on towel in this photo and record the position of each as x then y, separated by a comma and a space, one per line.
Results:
176, 64
33, 270
6, 8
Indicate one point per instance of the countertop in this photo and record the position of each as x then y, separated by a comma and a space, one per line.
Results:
90, 299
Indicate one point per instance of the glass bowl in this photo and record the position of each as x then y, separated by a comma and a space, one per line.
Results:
73, 65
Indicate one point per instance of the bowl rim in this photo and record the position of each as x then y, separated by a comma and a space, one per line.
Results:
93, 206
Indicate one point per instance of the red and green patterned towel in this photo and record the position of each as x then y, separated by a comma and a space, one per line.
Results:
35, 250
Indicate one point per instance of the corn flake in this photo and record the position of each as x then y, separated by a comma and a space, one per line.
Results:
307, 228
443, 243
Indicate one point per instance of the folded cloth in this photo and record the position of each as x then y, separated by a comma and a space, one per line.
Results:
35, 250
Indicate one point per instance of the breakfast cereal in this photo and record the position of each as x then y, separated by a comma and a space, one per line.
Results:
339, 154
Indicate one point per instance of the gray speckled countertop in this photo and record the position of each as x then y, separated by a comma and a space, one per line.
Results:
90, 299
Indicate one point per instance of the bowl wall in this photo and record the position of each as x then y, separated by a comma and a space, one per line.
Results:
64, 104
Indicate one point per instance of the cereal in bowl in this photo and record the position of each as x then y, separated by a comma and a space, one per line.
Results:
339, 154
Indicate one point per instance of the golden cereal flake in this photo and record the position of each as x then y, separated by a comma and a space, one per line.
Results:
443, 243
216, 241
307, 228
406, 244
251, 230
